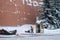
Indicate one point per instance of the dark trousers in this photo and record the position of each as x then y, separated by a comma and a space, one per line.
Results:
4, 32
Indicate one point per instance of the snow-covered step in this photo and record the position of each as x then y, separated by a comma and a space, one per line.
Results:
7, 36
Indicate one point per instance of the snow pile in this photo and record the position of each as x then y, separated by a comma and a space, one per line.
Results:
23, 28
20, 29
56, 31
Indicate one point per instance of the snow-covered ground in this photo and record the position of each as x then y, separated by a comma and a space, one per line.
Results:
23, 28
51, 37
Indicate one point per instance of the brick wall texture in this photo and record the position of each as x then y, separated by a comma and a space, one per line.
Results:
18, 12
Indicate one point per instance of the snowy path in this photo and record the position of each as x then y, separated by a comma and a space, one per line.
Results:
52, 37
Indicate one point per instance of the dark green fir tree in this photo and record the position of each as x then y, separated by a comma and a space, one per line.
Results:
51, 14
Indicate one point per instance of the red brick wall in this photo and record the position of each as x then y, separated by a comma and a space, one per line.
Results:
14, 12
